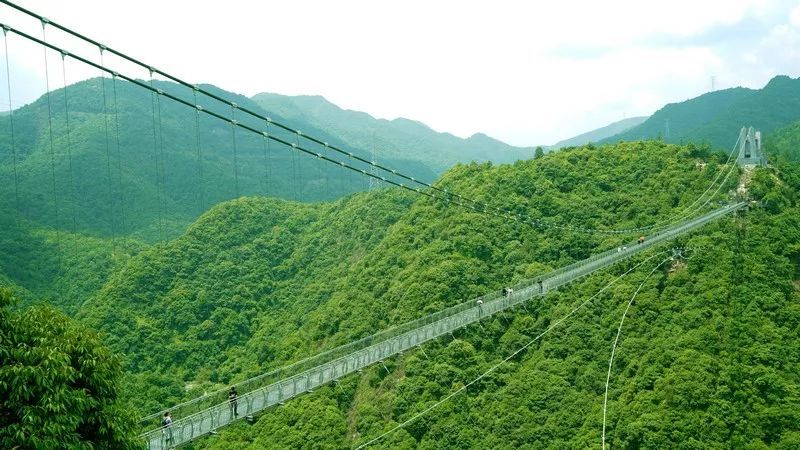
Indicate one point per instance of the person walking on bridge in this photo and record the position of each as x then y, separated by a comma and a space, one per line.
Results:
233, 399
166, 423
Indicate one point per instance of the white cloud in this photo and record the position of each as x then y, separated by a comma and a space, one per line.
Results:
524, 72
794, 17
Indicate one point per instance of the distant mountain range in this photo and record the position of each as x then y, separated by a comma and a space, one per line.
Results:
600, 133
160, 172
151, 185
398, 138
716, 117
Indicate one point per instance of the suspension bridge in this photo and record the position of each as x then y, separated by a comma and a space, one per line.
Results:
353, 357
208, 413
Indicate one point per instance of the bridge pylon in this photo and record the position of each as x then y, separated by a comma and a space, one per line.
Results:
750, 152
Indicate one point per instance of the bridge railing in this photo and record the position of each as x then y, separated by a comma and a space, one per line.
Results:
354, 356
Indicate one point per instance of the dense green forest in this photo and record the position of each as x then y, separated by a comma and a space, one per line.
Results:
399, 138
283, 277
784, 143
121, 161
258, 282
708, 356
716, 117
58, 384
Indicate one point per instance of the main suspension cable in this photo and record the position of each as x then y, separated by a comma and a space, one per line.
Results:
688, 211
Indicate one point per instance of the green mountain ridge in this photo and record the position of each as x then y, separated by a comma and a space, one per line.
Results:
708, 356
600, 133
157, 180
716, 117
397, 138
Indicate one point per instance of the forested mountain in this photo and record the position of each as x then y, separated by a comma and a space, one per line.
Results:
600, 133
717, 117
784, 143
61, 268
257, 282
398, 138
708, 356
141, 167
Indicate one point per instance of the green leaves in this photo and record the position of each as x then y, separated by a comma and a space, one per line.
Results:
57, 384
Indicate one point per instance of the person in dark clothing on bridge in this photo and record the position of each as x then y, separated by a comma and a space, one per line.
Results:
233, 399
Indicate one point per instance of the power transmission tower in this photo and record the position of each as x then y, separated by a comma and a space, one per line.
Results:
374, 183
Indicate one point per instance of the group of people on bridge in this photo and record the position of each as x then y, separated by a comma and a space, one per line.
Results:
166, 421
624, 247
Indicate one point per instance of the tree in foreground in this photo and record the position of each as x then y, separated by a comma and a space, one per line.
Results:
58, 384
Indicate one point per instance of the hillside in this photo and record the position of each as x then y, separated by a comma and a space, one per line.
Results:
157, 179
709, 354
42, 265
398, 138
600, 133
784, 143
717, 117
259, 282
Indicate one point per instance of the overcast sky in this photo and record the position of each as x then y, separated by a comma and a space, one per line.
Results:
524, 72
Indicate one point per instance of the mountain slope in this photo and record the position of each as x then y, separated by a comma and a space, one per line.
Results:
257, 282
55, 267
600, 133
398, 138
709, 346
716, 117
784, 143
163, 173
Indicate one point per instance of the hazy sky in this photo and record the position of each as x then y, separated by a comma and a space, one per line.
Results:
524, 72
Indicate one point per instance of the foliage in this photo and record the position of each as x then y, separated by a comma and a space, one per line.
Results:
784, 143
58, 384
257, 282
58, 267
708, 356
